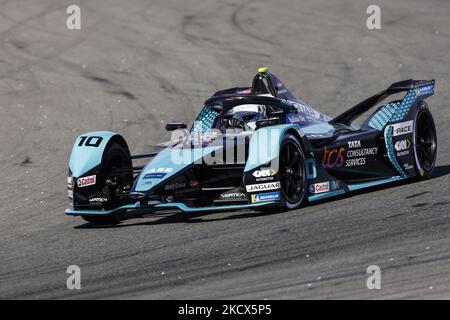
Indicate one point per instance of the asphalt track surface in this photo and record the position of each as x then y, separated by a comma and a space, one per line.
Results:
135, 65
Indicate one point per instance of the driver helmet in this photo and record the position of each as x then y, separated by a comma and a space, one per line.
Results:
250, 113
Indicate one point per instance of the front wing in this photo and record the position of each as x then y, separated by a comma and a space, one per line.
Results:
165, 206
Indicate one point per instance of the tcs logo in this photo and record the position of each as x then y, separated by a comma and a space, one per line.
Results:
333, 158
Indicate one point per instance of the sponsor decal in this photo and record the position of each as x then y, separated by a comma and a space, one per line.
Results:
325, 186
402, 147
424, 89
296, 118
233, 196
158, 175
98, 200
354, 144
402, 128
408, 166
307, 110
333, 158
362, 152
176, 185
355, 162
320, 187
358, 156
263, 186
271, 196
353, 156
264, 174
87, 181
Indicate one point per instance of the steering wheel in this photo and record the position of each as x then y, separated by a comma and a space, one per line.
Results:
236, 121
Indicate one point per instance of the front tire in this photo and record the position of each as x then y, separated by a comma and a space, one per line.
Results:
115, 159
114, 177
292, 172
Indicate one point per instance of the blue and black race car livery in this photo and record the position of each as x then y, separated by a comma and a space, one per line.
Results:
258, 147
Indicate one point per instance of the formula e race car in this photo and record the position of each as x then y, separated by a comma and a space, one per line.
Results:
260, 148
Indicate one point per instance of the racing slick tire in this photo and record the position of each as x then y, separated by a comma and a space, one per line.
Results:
292, 172
115, 158
425, 143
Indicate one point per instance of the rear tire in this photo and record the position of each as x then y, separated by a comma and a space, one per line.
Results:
425, 144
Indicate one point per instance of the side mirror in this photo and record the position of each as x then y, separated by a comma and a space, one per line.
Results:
174, 126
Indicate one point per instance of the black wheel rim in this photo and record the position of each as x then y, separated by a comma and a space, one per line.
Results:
292, 172
425, 141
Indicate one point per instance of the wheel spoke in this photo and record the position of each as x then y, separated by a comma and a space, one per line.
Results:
292, 183
287, 186
282, 161
293, 160
288, 154
422, 154
291, 172
290, 180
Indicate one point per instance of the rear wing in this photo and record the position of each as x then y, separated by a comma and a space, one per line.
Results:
421, 89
